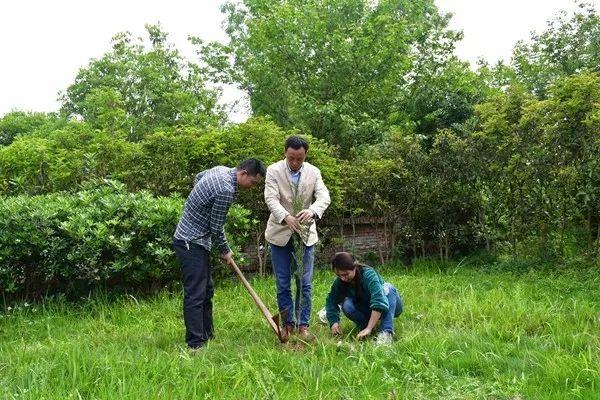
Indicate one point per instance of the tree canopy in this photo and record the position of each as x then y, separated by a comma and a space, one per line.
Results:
138, 88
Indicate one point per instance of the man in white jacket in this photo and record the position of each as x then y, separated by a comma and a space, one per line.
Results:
293, 184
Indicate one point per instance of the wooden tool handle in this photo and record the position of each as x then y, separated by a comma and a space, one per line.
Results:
256, 299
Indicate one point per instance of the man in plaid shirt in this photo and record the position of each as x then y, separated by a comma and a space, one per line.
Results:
201, 224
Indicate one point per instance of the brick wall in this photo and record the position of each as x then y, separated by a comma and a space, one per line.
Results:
366, 240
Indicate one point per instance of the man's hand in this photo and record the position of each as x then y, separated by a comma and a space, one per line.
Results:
364, 333
228, 258
305, 215
292, 223
335, 329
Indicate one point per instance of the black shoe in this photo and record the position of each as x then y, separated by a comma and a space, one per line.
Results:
196, 347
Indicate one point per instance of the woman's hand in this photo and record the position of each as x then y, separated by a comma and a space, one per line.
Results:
364, 333
375, 315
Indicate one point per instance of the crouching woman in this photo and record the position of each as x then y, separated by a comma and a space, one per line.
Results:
364, 298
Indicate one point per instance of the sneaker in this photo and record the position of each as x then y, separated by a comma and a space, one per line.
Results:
384, 338
323, 316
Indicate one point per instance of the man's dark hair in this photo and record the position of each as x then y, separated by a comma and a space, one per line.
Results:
253, 167
295, 142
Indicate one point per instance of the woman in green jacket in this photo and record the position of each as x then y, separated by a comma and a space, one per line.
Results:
364, 298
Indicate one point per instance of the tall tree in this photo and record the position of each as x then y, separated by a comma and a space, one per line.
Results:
538, 172
569, 45
18, 123
138, 88
342, 70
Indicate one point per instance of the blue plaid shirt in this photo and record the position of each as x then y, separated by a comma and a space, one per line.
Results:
206, 208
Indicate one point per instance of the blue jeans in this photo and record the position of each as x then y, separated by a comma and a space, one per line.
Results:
360, 314
282, 258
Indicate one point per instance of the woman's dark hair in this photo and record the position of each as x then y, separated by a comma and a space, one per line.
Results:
344, 262
295, 142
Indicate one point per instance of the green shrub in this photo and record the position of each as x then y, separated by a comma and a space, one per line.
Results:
97, 237
164, 162
62, 160
21, 123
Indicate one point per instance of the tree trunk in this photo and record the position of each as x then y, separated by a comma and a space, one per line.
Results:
447, 245
386, 244
563, 224
259, 252
589, 227
483, 225
511, 221
341, 221
394, 241
353, 232
381, 259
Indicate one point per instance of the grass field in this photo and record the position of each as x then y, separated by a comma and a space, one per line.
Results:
465, 334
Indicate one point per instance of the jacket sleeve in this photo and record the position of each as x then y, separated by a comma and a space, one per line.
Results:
272, 197
198, 177
374, 285
322, 198
331, 304
217, 220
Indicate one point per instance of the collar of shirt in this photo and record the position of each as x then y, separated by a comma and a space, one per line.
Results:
233, 175
293, 173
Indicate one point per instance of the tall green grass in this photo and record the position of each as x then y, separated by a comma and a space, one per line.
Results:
465, 334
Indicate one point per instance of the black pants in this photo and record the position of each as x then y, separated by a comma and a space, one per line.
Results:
198, 291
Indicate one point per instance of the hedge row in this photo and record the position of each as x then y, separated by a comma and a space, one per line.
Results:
102, 236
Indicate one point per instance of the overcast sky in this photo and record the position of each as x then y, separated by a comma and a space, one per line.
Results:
44, 43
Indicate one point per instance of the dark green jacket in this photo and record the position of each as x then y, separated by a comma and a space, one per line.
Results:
370, 294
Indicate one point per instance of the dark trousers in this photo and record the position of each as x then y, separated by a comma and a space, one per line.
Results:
198, 291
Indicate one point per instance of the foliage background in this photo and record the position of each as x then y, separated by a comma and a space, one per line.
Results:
501, 158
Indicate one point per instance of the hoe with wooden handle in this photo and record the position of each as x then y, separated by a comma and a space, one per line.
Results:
273, 320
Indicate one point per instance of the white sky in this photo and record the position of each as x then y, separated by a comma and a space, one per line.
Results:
44, 43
